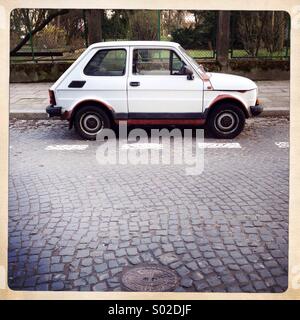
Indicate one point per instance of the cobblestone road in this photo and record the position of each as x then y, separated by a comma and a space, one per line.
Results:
74, 225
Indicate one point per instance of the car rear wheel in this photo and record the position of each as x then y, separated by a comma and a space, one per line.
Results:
89, 121
226, 121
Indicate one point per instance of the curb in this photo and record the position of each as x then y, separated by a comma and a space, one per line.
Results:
28, 115
44, 116
275, 113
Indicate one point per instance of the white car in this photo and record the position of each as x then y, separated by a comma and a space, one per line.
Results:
149, 82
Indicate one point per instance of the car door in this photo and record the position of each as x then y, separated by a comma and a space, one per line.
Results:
102, 76
158, 87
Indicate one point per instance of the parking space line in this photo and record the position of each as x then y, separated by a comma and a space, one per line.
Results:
157, 146
142, 146
282, 144
212, 145
67, 147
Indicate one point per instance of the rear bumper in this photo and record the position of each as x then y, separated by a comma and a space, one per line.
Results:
256, 110
53, 111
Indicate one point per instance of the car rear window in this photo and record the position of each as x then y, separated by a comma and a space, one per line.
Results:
107, 62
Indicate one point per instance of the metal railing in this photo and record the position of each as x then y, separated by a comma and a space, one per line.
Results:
200, 45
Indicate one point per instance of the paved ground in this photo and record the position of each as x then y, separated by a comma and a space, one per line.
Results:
75, 225
28, 100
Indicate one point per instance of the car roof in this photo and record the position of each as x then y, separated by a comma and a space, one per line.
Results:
134, 43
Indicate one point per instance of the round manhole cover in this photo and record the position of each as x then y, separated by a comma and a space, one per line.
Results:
149, 278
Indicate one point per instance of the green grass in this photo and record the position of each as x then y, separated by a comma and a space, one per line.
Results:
201, 54
262, 53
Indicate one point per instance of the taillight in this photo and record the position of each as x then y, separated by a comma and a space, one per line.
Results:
52, 97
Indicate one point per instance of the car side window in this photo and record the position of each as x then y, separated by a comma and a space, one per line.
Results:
107, 62
157, 62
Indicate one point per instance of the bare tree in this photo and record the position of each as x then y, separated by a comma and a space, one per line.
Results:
172, 20
274, 31
250, 28
34, 22
143, 25
262, 30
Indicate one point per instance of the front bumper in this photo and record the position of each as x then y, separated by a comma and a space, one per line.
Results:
256, 110
53, 111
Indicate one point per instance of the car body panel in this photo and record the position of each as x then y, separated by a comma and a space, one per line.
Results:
230, 82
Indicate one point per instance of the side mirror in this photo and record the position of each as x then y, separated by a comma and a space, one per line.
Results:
189, 73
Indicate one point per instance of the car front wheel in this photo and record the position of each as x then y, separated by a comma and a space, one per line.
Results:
89, 121
226, 121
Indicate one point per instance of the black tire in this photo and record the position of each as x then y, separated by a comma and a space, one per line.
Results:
226, 121
89, 121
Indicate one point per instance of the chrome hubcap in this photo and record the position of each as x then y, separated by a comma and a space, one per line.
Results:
226, 122
91, 123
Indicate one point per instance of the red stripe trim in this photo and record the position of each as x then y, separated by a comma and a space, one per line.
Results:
164, 121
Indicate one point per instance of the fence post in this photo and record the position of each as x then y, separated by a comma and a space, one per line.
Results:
222, 45
31, 45
30, 39
288, 40
158, 25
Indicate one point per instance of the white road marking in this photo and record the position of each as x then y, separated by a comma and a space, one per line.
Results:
142, 146
156, 146
226, 145
282, 144
67, 147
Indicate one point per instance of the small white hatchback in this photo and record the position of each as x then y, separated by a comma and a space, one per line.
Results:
148, 83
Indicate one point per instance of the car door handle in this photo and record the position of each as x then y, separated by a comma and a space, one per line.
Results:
134, 84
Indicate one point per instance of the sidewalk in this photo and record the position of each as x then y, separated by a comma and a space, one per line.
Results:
29, 100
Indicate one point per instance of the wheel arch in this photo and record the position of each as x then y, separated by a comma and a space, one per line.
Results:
91, 102
227, 99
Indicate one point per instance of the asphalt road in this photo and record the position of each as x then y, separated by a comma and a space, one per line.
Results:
76, 225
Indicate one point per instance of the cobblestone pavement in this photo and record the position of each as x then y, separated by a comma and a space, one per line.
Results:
74, 224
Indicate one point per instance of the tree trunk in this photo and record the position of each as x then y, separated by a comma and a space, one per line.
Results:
95, 18
222, 45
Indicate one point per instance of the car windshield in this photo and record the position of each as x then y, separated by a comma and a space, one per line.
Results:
194, 63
